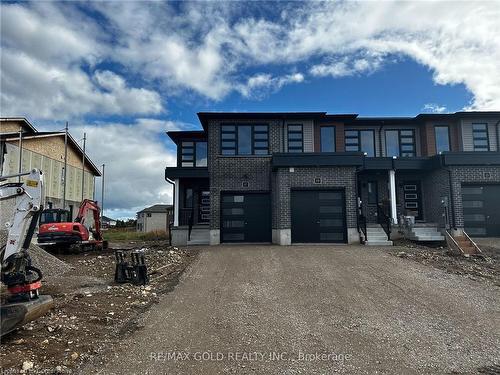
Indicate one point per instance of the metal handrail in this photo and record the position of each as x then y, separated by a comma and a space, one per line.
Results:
385, 221
450, 239
472, 242
362, 225
190, 223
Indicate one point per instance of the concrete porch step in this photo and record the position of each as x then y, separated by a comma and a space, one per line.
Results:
378, 243
427, 238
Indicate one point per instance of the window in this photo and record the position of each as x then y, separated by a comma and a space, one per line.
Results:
442, 134
193, 154
188, 198
244, 140
360, 141
480, 137
201, 154
148, 214
295, 138
372, 192
187, 158
400, 143
327, 138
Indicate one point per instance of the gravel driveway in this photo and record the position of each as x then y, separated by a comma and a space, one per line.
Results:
314, 310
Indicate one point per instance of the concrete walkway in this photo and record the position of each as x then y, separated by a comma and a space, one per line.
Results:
314, 310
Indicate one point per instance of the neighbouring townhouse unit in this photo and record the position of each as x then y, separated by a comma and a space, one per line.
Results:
154, 218
22, 148
313, 177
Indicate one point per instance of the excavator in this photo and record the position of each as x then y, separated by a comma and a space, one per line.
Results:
83, 234
22, 302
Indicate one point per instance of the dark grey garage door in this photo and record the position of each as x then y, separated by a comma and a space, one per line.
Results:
318, 216
481, 205
246, 217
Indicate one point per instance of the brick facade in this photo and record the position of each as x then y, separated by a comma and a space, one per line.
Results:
474, 174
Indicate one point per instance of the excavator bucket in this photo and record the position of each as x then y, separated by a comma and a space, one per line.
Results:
16, 314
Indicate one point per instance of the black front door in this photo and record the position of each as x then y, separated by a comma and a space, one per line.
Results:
246, 217
412, 199
318, 216
481, 207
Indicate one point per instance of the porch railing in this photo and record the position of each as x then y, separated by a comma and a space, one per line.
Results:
184, 215
362, 226
385, 221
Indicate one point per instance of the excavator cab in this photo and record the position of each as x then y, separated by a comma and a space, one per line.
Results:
55, 215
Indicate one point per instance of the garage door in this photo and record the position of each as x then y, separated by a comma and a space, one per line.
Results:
481, 205
246, 217
318, 216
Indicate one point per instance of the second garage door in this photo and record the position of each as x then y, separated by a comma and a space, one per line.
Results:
481, 205
246, 217
318, 216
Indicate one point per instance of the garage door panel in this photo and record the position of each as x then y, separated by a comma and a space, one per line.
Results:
481, 209
318, 216
245, 217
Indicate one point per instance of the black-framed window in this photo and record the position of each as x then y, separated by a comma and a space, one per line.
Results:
193, 154
244, 140
327, 138
480, 137
442, 137
360, 141
372, 192
295, 138
188, 198
400, 142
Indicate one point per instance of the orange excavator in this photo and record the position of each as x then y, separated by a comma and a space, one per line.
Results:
83, 234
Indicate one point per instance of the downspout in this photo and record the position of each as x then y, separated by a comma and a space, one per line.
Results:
380, 139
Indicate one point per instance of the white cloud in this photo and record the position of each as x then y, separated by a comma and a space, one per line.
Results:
434, 108
212, 48
262, 83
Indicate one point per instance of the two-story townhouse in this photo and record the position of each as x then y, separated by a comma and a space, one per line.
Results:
313, 177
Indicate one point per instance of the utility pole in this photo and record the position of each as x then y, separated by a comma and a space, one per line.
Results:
102, 193
65, 164
83, 164
20, 154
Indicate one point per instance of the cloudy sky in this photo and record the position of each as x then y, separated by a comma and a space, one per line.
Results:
126, 72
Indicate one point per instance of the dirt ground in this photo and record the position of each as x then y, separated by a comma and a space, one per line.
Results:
314, 310
92, 314
484, 268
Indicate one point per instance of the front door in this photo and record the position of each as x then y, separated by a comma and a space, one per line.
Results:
412, 199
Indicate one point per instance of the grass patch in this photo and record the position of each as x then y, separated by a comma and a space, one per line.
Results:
127, 234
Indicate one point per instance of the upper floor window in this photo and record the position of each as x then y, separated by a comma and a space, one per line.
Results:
244, 140
295, 138
327, 138
480, 137
442, 135
193, 154
360, 141
400, 143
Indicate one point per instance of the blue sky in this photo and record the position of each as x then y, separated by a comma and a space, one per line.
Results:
125, 72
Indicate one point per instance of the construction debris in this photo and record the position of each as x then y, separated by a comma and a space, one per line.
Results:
92, 313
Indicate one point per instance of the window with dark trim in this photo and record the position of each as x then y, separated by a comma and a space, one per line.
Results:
187, 154
193, 154
327, 139
295, 138
400, 143
372, 192
442, 136
360, 141
188, 198
244, 140
480, 137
